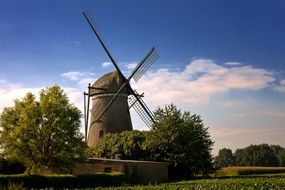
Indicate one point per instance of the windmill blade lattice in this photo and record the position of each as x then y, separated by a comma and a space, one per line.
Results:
150, 56
133, 103
146, 62
135, 99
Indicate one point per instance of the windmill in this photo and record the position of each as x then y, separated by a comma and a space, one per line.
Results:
112, 97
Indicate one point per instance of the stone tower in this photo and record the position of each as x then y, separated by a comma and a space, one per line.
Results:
117, 118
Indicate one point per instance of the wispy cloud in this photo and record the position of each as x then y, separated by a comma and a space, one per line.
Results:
199, 81
131, 65
2, 82
233, 104
80, 77
10, 92
233, 63
72, 75
240, 137
280, 87
106, 64
270, 113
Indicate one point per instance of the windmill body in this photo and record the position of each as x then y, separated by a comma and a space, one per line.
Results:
112, 97
117, 118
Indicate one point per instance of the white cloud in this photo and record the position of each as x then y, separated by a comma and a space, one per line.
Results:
10, 92
280, 87
132, 65
72, 75
82, 78
85, 81
196, 84
232, 63
270, 113
240, 137
75, 96
2, 81
106, 64
199, 81
233, 104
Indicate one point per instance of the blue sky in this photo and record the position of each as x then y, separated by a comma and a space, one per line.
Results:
221, 59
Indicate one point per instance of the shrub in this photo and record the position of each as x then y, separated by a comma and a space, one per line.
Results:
63, 181
261, 171
8, 167
248, 170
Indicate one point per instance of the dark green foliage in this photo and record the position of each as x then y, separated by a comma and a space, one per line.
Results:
64, 181
181, 140
126, 145
8, 167
281, 157
260, 171
43, 134
253, 155
259, 155
225, 158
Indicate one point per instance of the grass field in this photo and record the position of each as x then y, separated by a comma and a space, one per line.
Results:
248, 170
230, 178
271, 182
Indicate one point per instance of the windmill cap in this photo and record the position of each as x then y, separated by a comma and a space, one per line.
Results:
108, 83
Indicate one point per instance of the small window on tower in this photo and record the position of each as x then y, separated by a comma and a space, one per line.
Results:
101, 134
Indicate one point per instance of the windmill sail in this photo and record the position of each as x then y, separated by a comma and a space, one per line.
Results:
92, 24
145, 117
149, 58
110, 106
143, 66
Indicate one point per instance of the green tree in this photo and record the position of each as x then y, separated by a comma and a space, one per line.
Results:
181, 140
258, 155
281, 158
177, 138
225, 158
43, 134
125, 145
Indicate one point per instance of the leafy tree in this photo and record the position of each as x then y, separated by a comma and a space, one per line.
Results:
258, 155
181, 140
281, 158
125, 145
225, 158
43, 134
241, 158
177, 138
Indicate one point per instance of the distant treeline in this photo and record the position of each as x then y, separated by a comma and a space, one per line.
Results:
253, 155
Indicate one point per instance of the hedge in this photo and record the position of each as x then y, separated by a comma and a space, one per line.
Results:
64, 181
260, 171
8, 167
248, 170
